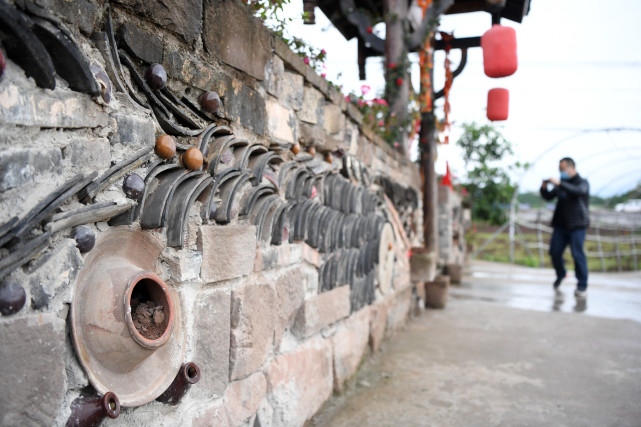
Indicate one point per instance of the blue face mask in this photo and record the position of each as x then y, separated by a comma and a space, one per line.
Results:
564, 176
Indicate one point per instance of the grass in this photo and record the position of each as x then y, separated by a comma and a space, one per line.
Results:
499, 251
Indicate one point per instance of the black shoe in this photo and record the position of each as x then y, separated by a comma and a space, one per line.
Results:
557, 283
581, 294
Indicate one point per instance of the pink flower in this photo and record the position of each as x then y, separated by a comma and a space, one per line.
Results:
323, 52
365, 89
306, 60
395, 144
380, 123
360, 102
323, 75
379, 101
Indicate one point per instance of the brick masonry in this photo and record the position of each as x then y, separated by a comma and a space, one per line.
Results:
271, 343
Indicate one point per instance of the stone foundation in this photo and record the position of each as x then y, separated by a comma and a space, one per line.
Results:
453, 221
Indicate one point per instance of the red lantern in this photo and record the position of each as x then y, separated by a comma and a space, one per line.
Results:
499, 51
498, 101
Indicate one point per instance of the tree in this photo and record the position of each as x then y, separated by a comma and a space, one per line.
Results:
488, 184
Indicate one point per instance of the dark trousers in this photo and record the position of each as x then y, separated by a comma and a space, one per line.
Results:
561, 238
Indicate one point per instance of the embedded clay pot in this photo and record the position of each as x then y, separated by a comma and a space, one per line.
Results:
116, 356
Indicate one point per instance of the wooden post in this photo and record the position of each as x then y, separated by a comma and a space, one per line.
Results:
428, 155
396, 53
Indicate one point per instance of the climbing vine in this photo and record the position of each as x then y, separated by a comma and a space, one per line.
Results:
378, 116
271, 12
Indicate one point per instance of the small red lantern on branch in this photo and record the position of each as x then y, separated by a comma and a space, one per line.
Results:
498, 102
499, 51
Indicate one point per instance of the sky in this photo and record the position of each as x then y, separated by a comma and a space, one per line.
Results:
579, 73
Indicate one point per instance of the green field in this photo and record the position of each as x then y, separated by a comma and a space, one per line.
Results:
499, 251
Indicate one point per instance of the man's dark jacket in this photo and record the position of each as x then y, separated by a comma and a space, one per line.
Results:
572, 207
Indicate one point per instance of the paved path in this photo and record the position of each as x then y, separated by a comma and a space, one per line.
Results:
483, 362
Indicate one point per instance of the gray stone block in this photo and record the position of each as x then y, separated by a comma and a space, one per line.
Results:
83, 13
35, 107
316, 136
51, 278
274, 72
334, 120
243, 397
252, 328
281, 123
290, 59
88, 154
349, 344
292, 90
32, 370
354, 114
20, 166
312, 110
180, 65
244, 105
317, 81
399, 310
377, 323
214, 415
223, 248
294, 401
133, 130
145, 46
236, 37
211, 354
183, 17
182, 265
321, 311
290, 294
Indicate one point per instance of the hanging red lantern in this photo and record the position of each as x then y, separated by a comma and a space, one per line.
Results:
498, 101
499, 51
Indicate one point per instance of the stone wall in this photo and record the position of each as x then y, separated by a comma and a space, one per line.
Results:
285, 254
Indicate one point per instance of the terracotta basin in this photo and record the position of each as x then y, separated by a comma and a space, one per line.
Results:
117, 276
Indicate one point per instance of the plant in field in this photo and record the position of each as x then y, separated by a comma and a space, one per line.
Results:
488, 181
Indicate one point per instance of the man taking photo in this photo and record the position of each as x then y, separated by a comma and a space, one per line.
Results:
570, 222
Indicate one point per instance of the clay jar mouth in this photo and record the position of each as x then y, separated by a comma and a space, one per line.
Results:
149, 310
191, 371
111, 405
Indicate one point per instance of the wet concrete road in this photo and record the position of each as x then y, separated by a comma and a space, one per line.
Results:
506, 352
610, 295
